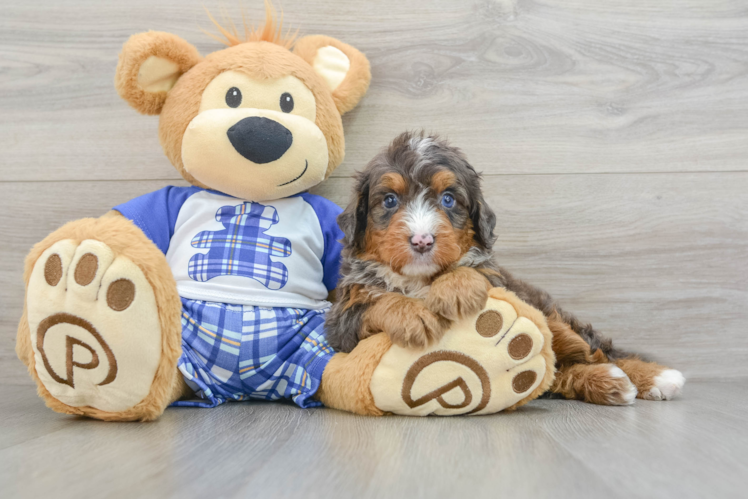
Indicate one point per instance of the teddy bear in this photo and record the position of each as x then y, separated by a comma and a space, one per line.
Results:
217, 292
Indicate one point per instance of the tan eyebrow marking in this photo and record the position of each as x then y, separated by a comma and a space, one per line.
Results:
442, 180
395, 182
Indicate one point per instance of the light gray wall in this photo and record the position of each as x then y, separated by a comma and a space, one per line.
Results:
613, 137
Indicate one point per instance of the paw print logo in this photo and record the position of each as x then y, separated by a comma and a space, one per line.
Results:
242, 248
485, 363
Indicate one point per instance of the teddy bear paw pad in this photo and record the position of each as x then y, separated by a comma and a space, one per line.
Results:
483, 364
94, 326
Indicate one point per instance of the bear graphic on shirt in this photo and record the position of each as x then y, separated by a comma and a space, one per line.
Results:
242, 248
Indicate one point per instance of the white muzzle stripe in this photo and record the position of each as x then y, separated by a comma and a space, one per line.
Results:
421, 216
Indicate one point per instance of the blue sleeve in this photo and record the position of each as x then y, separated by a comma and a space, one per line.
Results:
156, 213
327, 213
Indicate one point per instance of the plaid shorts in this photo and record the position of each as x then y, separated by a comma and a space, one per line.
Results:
235, 352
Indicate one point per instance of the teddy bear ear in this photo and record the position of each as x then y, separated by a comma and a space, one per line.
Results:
149, 66
345, 69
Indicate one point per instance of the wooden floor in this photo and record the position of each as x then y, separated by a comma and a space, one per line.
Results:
695, 446
613, 138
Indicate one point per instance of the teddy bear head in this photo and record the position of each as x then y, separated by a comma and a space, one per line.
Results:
259, 120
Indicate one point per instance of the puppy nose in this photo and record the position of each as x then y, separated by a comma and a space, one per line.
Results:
260, 139
422, 243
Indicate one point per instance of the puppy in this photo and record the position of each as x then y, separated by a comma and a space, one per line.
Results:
418, 255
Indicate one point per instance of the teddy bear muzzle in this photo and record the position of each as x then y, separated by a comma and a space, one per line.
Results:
254, 154
259, 139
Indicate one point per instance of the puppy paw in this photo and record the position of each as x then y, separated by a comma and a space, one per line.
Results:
618, 389
412, 325
601, 384
654, 382
668, 384
458, 294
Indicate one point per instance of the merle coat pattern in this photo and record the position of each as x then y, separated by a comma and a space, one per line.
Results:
589, 367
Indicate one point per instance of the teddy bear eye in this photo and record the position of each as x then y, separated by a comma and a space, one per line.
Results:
234, 97
286, 102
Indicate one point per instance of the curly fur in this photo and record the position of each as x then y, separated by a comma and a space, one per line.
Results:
421, 161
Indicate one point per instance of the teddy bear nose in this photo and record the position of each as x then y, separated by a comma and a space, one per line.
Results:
259, 139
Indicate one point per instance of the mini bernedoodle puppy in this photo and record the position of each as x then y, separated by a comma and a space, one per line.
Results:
418, 255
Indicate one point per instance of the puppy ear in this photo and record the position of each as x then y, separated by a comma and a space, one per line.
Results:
149, 66
345, 69
354, 218
484, 222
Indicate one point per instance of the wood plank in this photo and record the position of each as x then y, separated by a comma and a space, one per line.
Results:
651, 260
530, 87
654, 261
243, 450
402, 457
546, 449
659, 450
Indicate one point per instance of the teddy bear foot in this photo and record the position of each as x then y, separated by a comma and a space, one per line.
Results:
93, 333
498, 359
94, 327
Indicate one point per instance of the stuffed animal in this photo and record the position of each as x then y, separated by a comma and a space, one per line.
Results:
217, 292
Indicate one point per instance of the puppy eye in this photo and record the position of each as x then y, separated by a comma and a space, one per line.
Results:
390, 201
286, 102
234, 97
448, 201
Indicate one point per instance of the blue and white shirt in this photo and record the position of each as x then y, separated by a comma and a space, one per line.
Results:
282, 253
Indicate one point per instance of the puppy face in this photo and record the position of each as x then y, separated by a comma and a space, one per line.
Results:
418, 208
